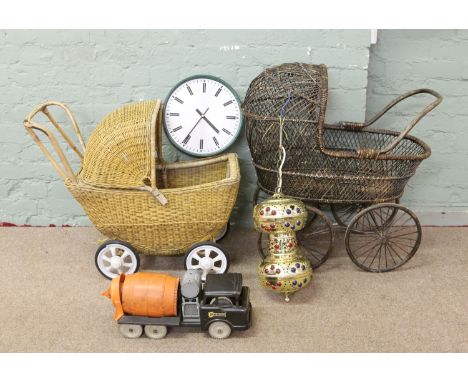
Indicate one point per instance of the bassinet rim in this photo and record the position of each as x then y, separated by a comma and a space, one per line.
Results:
232, 178
383, 156
335, 201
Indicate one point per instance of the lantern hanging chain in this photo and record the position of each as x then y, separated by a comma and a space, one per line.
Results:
281, 149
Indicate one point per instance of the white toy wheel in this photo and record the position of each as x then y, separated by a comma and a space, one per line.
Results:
209, 257
156, 331
219, 330
115, 257
131, 331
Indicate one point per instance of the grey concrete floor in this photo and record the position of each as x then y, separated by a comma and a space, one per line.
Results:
50, 300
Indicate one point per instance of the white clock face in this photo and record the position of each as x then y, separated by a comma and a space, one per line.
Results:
202, 116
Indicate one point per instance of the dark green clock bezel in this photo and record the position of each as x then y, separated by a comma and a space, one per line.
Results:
236, 96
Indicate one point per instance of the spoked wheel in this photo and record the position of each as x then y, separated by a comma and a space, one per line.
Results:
315, 240
223, 232
219, 330
156, 331
115, 257
344, 213
209, 257
383, 237
131, 331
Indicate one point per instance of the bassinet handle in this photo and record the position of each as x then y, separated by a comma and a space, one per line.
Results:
404, 133
64, 169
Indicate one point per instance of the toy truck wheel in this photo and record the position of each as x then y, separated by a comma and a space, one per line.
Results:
156, 331
131, 331
115, 257
219, 330
209, 257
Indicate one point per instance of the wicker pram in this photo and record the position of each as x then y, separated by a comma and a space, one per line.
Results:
347, 165
131, 194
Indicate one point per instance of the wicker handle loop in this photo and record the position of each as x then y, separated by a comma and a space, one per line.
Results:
371, 153
64, 169
414, 122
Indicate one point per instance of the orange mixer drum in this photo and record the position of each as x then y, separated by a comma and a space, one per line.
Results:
144, 294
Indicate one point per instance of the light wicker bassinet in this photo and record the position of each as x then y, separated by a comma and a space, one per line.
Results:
130, 193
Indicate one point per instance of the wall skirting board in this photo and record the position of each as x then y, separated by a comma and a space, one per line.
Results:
428, 218
442, 218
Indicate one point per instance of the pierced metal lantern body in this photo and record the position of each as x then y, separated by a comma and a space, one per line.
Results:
283, 270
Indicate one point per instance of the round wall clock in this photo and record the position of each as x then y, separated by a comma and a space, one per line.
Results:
202, 115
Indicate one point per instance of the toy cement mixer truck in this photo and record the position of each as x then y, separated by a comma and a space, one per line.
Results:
152, 302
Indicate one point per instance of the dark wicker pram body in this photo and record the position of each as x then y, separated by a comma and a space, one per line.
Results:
312, 175
343, 164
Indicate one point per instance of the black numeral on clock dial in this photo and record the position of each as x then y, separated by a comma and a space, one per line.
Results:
178, 100
227, 103
216, 141
201, 144
186, 139
189, 90
227, 131
204, 87
176, 128
217, 92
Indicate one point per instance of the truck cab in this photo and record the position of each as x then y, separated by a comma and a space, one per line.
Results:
225, 302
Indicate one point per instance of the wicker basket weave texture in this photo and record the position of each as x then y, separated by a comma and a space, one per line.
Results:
327, 163
118, 151
196, 211
200, 193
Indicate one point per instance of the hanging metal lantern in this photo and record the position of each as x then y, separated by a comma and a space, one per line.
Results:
283, 270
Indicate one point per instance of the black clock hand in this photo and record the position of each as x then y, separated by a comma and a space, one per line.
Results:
208, 121
213, 126
190, 132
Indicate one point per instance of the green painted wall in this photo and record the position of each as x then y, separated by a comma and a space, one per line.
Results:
96, 71
409, 59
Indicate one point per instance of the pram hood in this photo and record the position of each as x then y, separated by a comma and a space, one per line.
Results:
122, 150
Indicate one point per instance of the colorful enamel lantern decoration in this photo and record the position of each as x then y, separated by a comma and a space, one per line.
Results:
283, 270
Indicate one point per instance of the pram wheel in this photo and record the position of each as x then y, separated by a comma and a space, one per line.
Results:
383, 237
344, 213
115, 257
315, 240
207, 256
223, 232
